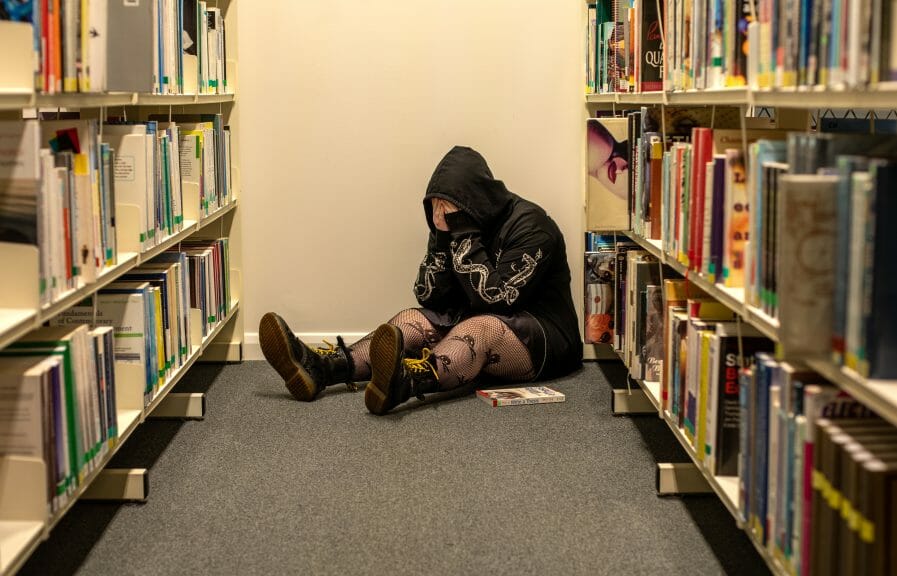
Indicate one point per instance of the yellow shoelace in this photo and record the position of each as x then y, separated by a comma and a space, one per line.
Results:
329, 351
420, 364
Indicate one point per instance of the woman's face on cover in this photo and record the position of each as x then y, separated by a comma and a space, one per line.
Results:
609, 168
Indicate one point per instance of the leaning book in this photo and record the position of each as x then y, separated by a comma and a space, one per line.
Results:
514, 396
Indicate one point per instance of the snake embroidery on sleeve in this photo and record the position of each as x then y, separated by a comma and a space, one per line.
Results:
478, 274
432, 264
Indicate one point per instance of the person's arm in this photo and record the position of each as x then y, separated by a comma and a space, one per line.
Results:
436, 287
506, 285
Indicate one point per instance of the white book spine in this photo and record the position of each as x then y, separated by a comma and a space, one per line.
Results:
860, 194
99, 13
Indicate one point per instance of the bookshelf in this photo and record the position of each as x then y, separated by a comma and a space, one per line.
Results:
842, 84
24, 518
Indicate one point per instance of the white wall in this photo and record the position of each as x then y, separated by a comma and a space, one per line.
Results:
347, 106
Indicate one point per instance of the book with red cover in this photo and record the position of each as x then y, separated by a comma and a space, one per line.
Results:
702, 153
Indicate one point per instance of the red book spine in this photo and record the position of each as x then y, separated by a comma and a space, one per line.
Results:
702, 153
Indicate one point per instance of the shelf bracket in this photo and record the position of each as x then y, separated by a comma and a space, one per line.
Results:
633, 401
680, 478
190, 406
122, 484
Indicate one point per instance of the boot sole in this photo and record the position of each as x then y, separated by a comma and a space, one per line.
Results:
385, 355
275, 345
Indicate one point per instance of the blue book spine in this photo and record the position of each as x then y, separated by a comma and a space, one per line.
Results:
847, 165
744, 468
806, 10
765, 367
718, 216
152, 364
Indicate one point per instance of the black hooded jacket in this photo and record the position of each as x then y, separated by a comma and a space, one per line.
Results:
502, 256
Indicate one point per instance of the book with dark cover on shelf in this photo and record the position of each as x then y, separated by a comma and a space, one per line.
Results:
729, 358
880, 292
621, 272
769, 279
715, 266
820, 401
651, 47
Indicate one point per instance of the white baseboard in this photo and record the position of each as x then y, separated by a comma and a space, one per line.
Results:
252, 350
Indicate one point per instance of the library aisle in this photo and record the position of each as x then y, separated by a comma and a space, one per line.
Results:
268, 485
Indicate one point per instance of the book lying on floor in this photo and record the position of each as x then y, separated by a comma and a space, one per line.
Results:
513, 396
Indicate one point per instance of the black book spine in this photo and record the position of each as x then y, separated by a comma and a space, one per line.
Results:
881, 309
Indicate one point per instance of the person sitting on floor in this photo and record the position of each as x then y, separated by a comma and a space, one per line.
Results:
494, 295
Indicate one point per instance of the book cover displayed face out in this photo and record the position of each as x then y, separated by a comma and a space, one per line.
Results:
525, 395
607, 162
599, 297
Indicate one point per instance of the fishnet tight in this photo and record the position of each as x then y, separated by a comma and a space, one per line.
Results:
479, 344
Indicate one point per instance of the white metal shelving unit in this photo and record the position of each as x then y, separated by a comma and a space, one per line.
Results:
24, 518
879, 395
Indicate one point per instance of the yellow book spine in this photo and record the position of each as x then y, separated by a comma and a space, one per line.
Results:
704, 383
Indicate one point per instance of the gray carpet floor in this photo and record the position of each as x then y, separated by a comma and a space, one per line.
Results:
268, 485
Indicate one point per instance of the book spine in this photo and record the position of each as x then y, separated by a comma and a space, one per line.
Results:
881, 278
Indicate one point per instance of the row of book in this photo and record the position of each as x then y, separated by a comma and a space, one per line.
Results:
57, 193
159, 46
853, 497
603, 287
59, 403
674, 334
58, 383
815, 472
64, 185
717, 200
624, 46
748, 415
652, 45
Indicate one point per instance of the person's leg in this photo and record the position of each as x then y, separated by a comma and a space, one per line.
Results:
305, 371
479, 344
482, 344
417, 333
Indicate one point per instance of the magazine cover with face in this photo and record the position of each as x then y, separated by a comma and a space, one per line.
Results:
607, 161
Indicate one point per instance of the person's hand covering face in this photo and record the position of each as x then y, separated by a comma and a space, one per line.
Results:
440, 209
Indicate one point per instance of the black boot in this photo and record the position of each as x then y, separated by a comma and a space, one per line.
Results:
394, 378
305, 371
